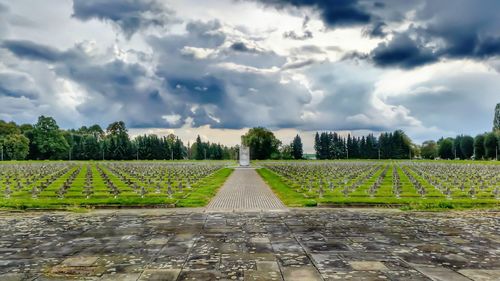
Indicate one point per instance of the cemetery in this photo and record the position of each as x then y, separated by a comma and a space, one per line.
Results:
74, 184
249, 140
400, 184
422, 184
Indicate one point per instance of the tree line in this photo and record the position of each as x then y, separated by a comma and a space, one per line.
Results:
394, 145
46, 141
397, 145
264, 145
481, 147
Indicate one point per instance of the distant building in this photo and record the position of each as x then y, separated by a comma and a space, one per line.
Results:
310, 156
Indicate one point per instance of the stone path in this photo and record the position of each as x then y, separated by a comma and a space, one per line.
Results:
245, 190
183, 244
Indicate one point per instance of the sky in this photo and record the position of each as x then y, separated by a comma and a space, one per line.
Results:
218, 67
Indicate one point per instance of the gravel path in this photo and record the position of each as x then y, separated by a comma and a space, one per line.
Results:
245, 190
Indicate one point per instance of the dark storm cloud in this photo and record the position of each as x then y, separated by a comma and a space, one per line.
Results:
469, 30
208, 89
31, 50
375, 30
402, 51
242, 47
233, 88
129, 15
230, 89
127, 87
17, 86
466, 30
333, 12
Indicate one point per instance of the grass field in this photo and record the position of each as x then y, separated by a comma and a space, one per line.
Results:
405, 184
91, 184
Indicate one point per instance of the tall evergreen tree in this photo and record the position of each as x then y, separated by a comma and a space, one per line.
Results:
200, 149
317, 145
119, 145
457, 151
297, 148
496, 120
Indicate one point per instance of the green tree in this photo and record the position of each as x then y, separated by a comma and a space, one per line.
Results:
479, 152
467, 146
118, 142
179, 151
96, 131
317, 145
297, 148
401, 145
385, 145
8, 128
445, 150
15, 146
91, 148
262, 143
429, 150
200, 149
48, 139
456, 147
286, 153
490, 145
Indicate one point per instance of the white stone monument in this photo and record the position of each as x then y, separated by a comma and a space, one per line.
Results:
244, 155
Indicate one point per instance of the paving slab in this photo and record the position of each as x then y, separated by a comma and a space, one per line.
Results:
159, 275
120, 277
80, 261
368, 265
481, 274
262, 276
299, 244
438, 273
302, 273
16, 277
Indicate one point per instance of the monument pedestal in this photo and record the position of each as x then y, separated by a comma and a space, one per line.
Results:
244, 156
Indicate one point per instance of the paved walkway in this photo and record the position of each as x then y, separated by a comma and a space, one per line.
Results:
245, 190
298, 245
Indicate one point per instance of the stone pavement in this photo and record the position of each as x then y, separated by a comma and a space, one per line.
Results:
245, 190
301, 244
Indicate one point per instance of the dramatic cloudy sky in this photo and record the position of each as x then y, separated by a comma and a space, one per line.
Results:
217, 67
